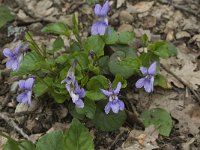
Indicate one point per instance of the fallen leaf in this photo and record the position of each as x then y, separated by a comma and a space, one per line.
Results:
119, 3
141, 140
188, 118
184, 67
140, 7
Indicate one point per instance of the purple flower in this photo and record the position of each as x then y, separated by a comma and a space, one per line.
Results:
148, 80
14, 57
27, 86
114, 103
99, 27
76, 94
73, 88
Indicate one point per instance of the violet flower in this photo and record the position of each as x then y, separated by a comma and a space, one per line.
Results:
14, 57
148, 80
114, 103
26, 86
99, 27
73, 88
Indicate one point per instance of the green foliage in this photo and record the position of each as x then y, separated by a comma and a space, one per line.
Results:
95, 44
119, 78
57, 44
5, 16
109, 122
161, 81
57, 28
126, 37
160, 118
11, 145
163, 49
78, 137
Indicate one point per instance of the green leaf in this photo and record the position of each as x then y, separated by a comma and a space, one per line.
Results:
158, 117
41, 86
74, 113
62, 59
163, 49
111, 38
58, 44
126, 37
75, 24
27, 145
97, 82
103, 64
161, 81
94, 43
51, 141
109, 122
59, 97
5, 16
119, 78
10, 145
57, 28
120, 64
78, 137
95, 95
88, 110
145, 40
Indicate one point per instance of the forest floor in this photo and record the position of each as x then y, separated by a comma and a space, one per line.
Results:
176, 21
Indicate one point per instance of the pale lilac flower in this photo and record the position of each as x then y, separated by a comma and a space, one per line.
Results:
114, 103
76, 93
148, 80
99, 27
26, 86
14, 57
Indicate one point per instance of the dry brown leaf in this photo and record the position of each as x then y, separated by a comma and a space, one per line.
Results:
140, 7
189, 119
142, 140
183, 67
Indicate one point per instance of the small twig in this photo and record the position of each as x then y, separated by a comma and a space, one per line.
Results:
182, 81
10, 122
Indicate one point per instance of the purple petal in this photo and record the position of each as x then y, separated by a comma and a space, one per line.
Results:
8, 53
152, 81
79, 103
80, 92
114, 106
148, 86
29, 83
74, 96
15, 65
107, 108
97, 10
16, 51
94, 29
152, 68
140, 83
105, 92
121, 104
105, 9
23, 98
102, 28
143, 70
22, 84
116, 91
9, 63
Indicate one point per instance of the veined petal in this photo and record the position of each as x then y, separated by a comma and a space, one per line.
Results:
105, 9
29, 94
147, 85
8, 53
94, 29
107, 108
143, 70
119, 85
102, 28
152, 81
152, 68
105, 92
140, 83
22, 84
97, 10
15, 65
22, 98
121, 104
79, 103
29, 83
114, 106
9, 63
